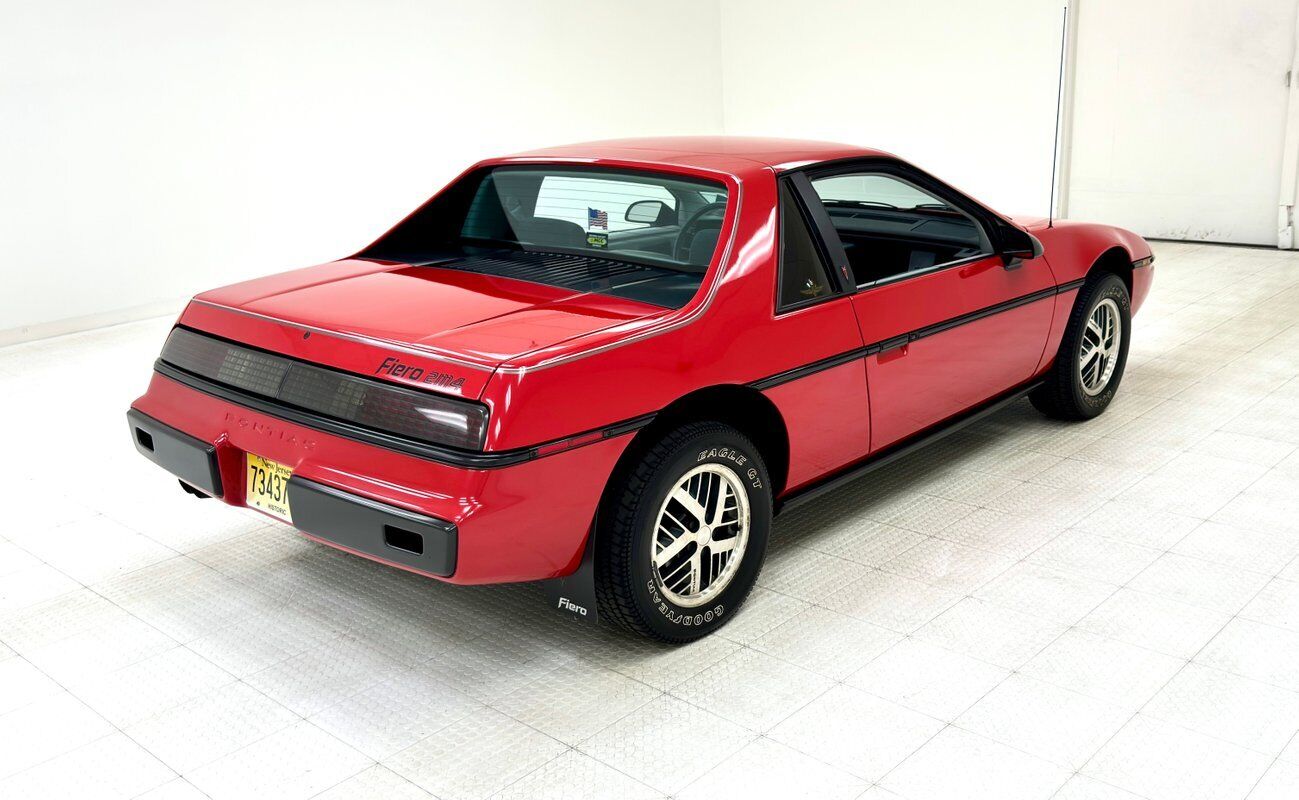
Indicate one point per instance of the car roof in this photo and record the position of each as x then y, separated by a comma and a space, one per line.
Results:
731, 153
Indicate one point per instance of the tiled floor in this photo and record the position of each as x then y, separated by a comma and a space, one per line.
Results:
1032, 610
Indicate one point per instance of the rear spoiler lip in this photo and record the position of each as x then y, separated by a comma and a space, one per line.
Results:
384, 344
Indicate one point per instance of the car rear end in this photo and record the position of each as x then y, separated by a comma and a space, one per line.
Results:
379, 469
355, 401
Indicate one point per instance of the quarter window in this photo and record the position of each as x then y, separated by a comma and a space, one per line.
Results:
890, 227
803, 276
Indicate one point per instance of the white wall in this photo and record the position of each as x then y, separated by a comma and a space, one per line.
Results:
1179, 116
150, 150
966, 90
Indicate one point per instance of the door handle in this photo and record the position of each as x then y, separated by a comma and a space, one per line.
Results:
894, 343
893, 349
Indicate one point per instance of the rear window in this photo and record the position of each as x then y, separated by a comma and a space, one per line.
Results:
571, 198
590, 227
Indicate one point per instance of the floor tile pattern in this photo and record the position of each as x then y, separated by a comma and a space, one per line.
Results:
1027, 610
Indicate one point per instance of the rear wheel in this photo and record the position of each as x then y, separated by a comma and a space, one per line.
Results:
1093, 352
682, 534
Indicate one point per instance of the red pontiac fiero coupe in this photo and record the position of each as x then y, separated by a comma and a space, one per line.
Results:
611, 364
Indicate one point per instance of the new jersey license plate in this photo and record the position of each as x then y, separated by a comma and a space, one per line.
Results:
268, 487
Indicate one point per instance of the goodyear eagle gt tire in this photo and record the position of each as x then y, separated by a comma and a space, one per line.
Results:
682, 534
1093, 352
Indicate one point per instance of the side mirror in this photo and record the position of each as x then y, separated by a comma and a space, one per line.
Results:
1018, 246
648, 212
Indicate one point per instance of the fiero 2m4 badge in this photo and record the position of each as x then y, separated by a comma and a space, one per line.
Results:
393, 367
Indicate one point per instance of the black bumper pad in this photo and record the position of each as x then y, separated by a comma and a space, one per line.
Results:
192, 460
377, 529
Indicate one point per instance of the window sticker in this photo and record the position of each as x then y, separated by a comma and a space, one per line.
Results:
811, 288
597, 227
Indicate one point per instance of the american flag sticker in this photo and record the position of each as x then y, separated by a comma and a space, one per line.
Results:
596, 219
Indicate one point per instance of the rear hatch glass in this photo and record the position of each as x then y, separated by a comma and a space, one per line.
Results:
634, 234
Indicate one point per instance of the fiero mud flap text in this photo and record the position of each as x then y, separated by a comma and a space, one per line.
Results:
574, 595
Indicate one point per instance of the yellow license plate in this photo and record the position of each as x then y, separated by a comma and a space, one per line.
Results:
268, 487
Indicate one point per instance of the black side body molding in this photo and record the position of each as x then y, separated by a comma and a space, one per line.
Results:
813, 368
911, 336
411, 447
506, 458
901, 450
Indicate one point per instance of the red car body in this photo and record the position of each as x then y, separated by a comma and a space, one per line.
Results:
570, 378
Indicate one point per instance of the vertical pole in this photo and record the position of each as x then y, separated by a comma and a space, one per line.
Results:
1289, 189
1063, 119
1066, 106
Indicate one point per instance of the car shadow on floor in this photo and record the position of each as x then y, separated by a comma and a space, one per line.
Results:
416, 617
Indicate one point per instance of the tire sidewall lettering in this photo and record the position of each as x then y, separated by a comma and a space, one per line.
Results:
670, 613
734, 456
751, 472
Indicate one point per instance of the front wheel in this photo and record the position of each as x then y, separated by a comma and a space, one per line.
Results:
1093, 352
682, 534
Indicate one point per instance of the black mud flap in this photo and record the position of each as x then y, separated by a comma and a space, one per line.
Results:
574, 594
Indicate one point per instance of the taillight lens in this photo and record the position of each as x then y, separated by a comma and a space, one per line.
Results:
338, 395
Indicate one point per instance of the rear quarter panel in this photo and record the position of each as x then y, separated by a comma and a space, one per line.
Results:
734, 338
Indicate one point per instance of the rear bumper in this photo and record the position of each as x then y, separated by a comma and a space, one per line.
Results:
192, 460
342, 519
370, 528
521, 522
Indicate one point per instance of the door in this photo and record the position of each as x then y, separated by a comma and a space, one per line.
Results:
1179, 118
947, 323
823, 397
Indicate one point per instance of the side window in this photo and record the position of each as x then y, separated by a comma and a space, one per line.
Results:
803, 275
890, 227
575, 199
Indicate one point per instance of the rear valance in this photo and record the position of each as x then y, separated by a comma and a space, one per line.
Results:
332, 394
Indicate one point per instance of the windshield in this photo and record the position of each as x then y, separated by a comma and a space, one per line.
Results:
570, 226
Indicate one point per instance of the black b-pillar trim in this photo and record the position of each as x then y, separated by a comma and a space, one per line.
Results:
825, 233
